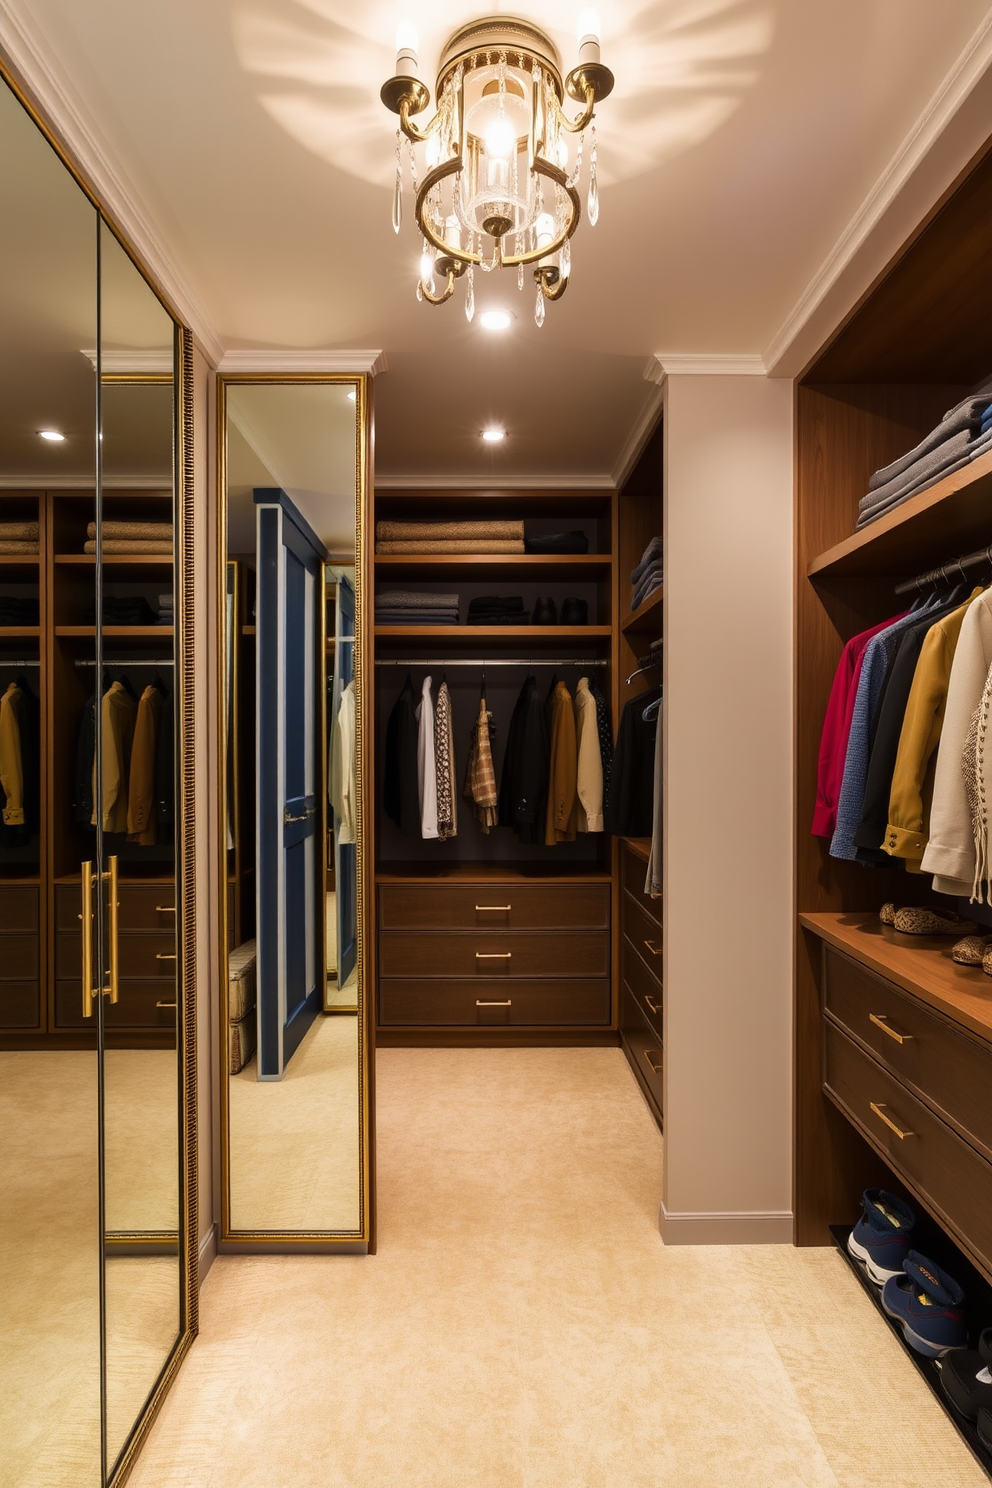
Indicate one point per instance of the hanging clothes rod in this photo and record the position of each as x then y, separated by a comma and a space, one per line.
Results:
8, 664
477, 662
946, 571
128, 661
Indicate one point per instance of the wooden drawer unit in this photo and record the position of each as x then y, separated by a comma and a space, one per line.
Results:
645, 994
20, 1004
644, 934
951, 1177
633, 871
20, 957
143, 907
644, 1050
944, 1067
494, 907
496, 1004
147, 964
486, 954
19, 908
142, 1005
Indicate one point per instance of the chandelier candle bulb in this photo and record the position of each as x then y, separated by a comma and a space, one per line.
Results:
407, 46
588, 31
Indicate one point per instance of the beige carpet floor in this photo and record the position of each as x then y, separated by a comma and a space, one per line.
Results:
522, 1325
294, 1141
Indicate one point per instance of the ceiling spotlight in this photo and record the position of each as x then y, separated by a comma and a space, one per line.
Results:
52, 435
495, 320
493, 436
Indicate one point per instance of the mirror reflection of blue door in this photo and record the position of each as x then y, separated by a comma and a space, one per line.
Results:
344, 845
289, 926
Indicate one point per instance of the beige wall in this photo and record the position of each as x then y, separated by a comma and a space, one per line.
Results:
728, 809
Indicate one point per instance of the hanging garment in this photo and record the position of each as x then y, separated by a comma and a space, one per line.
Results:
653, 877
11, 761
82, 799
480, 775
909, 801
142, 818
165, 768
630, 804
605, 735
561, 815
887, 727
950, 851
20, 746
401, 788
837, 727
976, 770
444, 760
426, 765
341, 775
589, 761
523, 790
117, 718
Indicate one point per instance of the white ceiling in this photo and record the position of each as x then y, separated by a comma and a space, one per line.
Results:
743, 138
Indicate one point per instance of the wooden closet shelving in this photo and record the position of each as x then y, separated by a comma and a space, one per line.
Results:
468, 633
647, 619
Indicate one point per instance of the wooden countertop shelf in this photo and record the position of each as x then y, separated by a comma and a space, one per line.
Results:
919, 964
952, 517
493, 632
469, 873
648, 617
482, 567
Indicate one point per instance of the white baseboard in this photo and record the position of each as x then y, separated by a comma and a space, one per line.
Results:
760, 1228
207, 1253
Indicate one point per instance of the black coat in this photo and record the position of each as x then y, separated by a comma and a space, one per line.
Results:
401, 788
523, 791
630, 803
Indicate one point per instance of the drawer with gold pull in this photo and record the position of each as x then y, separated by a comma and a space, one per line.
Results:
493, 1004
946, 1068
643, 933
494, 906
577, 953
643, 1047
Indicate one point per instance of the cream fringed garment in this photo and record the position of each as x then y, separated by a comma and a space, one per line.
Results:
976, 767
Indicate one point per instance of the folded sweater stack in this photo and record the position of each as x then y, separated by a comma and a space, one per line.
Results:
492, 609
456, 538
19, 537
574, 541
649, 574
17, 611
412, 607
131, 537
964, 433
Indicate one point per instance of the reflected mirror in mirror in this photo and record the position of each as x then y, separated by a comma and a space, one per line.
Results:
295, 1119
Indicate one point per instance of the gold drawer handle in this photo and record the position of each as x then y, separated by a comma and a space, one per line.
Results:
879, 1021
494, 908
165, 955
654, 1007
654, 1068
165, 909
507, 1003
493, 955
880, 1113
165, 1004
652, 948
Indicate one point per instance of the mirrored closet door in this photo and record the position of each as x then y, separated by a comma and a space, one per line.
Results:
294, 1037
95, 1001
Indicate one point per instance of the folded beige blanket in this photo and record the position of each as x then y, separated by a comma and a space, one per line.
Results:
17, 545
127, 545
448, 531
441, 549
19, 531
144, 531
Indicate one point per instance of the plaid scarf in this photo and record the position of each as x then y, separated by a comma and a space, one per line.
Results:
480, 777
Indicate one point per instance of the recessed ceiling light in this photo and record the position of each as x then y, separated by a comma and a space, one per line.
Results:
493, 436
52, 435
495, 320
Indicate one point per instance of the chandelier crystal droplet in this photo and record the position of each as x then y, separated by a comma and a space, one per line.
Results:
495, 182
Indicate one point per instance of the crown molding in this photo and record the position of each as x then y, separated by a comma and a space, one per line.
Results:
664, 364
959, 83
476, 482
345, 362
44, 82
643, 428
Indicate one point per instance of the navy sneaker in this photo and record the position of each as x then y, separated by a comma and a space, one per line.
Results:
928, 1304
966, 1378
881, 1237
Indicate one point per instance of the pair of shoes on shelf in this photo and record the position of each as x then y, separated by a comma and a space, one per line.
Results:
966, 1380
924, 1300
973, 951
917, 919
573, 612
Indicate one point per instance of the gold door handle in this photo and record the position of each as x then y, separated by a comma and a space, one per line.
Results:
654, 1068
879, 1111
86, 917
494, 908
879, 1021
112, 989
654, 1007
507, 1003
493, 955
165, 909
655, 950
165, 955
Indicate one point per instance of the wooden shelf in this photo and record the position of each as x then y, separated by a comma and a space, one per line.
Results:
648, 617
19, 560
116, 632
639, 845
492, 872
494, 632
19, 632
247, 630
480, 567
115, 560
919, 964
938, 525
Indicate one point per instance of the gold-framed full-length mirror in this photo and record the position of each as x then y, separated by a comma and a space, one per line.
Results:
295, 1025
97, 991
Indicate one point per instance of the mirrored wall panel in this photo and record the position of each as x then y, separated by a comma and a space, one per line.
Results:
295, 1128
94, 1065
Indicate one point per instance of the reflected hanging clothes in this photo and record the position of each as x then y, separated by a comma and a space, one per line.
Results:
118, 711
401, 790
142, 816
342, 782
561, 814
19, 755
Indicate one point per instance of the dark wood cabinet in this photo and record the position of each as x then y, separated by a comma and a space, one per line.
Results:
642, 995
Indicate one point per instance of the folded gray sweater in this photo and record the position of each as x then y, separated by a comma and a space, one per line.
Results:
908, 488
964, 416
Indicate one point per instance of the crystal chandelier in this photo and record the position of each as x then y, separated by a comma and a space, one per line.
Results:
494, 180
